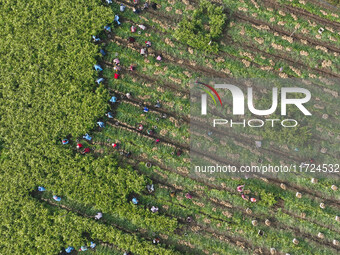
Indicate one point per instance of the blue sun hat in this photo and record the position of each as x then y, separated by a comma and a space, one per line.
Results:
113, 99
69, 249
56, 198
41, 188
98, 67
87, 137
99, 80
134, 201
101, 124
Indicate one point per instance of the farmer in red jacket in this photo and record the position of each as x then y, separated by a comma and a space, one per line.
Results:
86, 150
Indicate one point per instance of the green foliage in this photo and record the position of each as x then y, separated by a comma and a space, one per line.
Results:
267, 198
294, 136
194, 31
46, 69
47, 92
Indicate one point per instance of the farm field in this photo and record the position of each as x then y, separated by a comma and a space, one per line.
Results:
52, 100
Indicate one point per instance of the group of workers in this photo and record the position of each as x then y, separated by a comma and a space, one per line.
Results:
55, 197
82, 248
114, 99
144, 50
240, 189
87, 137
145, 6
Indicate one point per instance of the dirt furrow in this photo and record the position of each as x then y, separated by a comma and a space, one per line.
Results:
301, 12
310, 193
279, 30
323, 4
291, 214
251, 46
